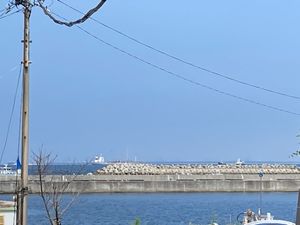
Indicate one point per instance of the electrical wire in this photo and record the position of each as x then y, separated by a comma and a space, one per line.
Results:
9, 71
2, 10
183, 60
6, 10
10, 14
18, 177
19, 136
11, 115
20, 126
180, 76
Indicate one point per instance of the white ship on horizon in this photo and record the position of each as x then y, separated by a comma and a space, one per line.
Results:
239, 162
99, 159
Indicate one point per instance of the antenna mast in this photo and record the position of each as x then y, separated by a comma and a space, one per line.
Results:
260, 174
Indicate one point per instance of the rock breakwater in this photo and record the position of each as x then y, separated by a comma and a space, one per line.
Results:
194, 169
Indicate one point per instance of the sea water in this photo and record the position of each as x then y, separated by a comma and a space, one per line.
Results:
164, 208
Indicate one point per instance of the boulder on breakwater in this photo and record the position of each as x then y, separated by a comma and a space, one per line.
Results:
194, 169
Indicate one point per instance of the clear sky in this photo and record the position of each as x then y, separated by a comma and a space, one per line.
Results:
88, 98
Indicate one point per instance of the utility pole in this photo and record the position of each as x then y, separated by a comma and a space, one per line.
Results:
23, 195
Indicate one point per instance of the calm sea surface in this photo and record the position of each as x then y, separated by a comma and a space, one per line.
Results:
165, 209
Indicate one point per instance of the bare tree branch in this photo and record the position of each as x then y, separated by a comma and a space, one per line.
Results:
71, 202
71, 23
53, 189
42, 163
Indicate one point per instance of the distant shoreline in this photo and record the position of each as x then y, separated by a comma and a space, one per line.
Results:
173, 162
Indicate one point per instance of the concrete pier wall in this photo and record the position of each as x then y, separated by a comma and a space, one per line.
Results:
163, 183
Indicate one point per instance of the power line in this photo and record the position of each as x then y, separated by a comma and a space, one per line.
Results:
183, 60
180, 76
6, 10
40, 3
11, 115
2, 10
20, 125
11, 70
9, 14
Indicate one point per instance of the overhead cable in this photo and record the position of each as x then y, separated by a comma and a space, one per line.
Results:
183, 60
11, 115
7, 9
181, 76
11, 70
70, 23
9, 14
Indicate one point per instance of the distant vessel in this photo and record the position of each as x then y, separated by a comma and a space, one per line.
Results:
6, 170
98, 160
239, 162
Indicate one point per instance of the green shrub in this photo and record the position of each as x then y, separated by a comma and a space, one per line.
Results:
137, 222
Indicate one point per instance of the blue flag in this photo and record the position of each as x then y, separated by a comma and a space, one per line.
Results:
19, 166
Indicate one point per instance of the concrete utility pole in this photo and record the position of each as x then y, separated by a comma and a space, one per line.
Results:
23, 208
22, 195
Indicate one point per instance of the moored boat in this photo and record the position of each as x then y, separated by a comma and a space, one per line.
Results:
6, 170
250, 218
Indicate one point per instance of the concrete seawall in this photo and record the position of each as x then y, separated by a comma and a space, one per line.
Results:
163, 183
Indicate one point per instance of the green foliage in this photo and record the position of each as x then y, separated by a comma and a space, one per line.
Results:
137, 222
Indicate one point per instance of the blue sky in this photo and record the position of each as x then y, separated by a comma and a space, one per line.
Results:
87, 98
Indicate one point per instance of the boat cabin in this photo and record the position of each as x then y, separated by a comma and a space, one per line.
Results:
250, 218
